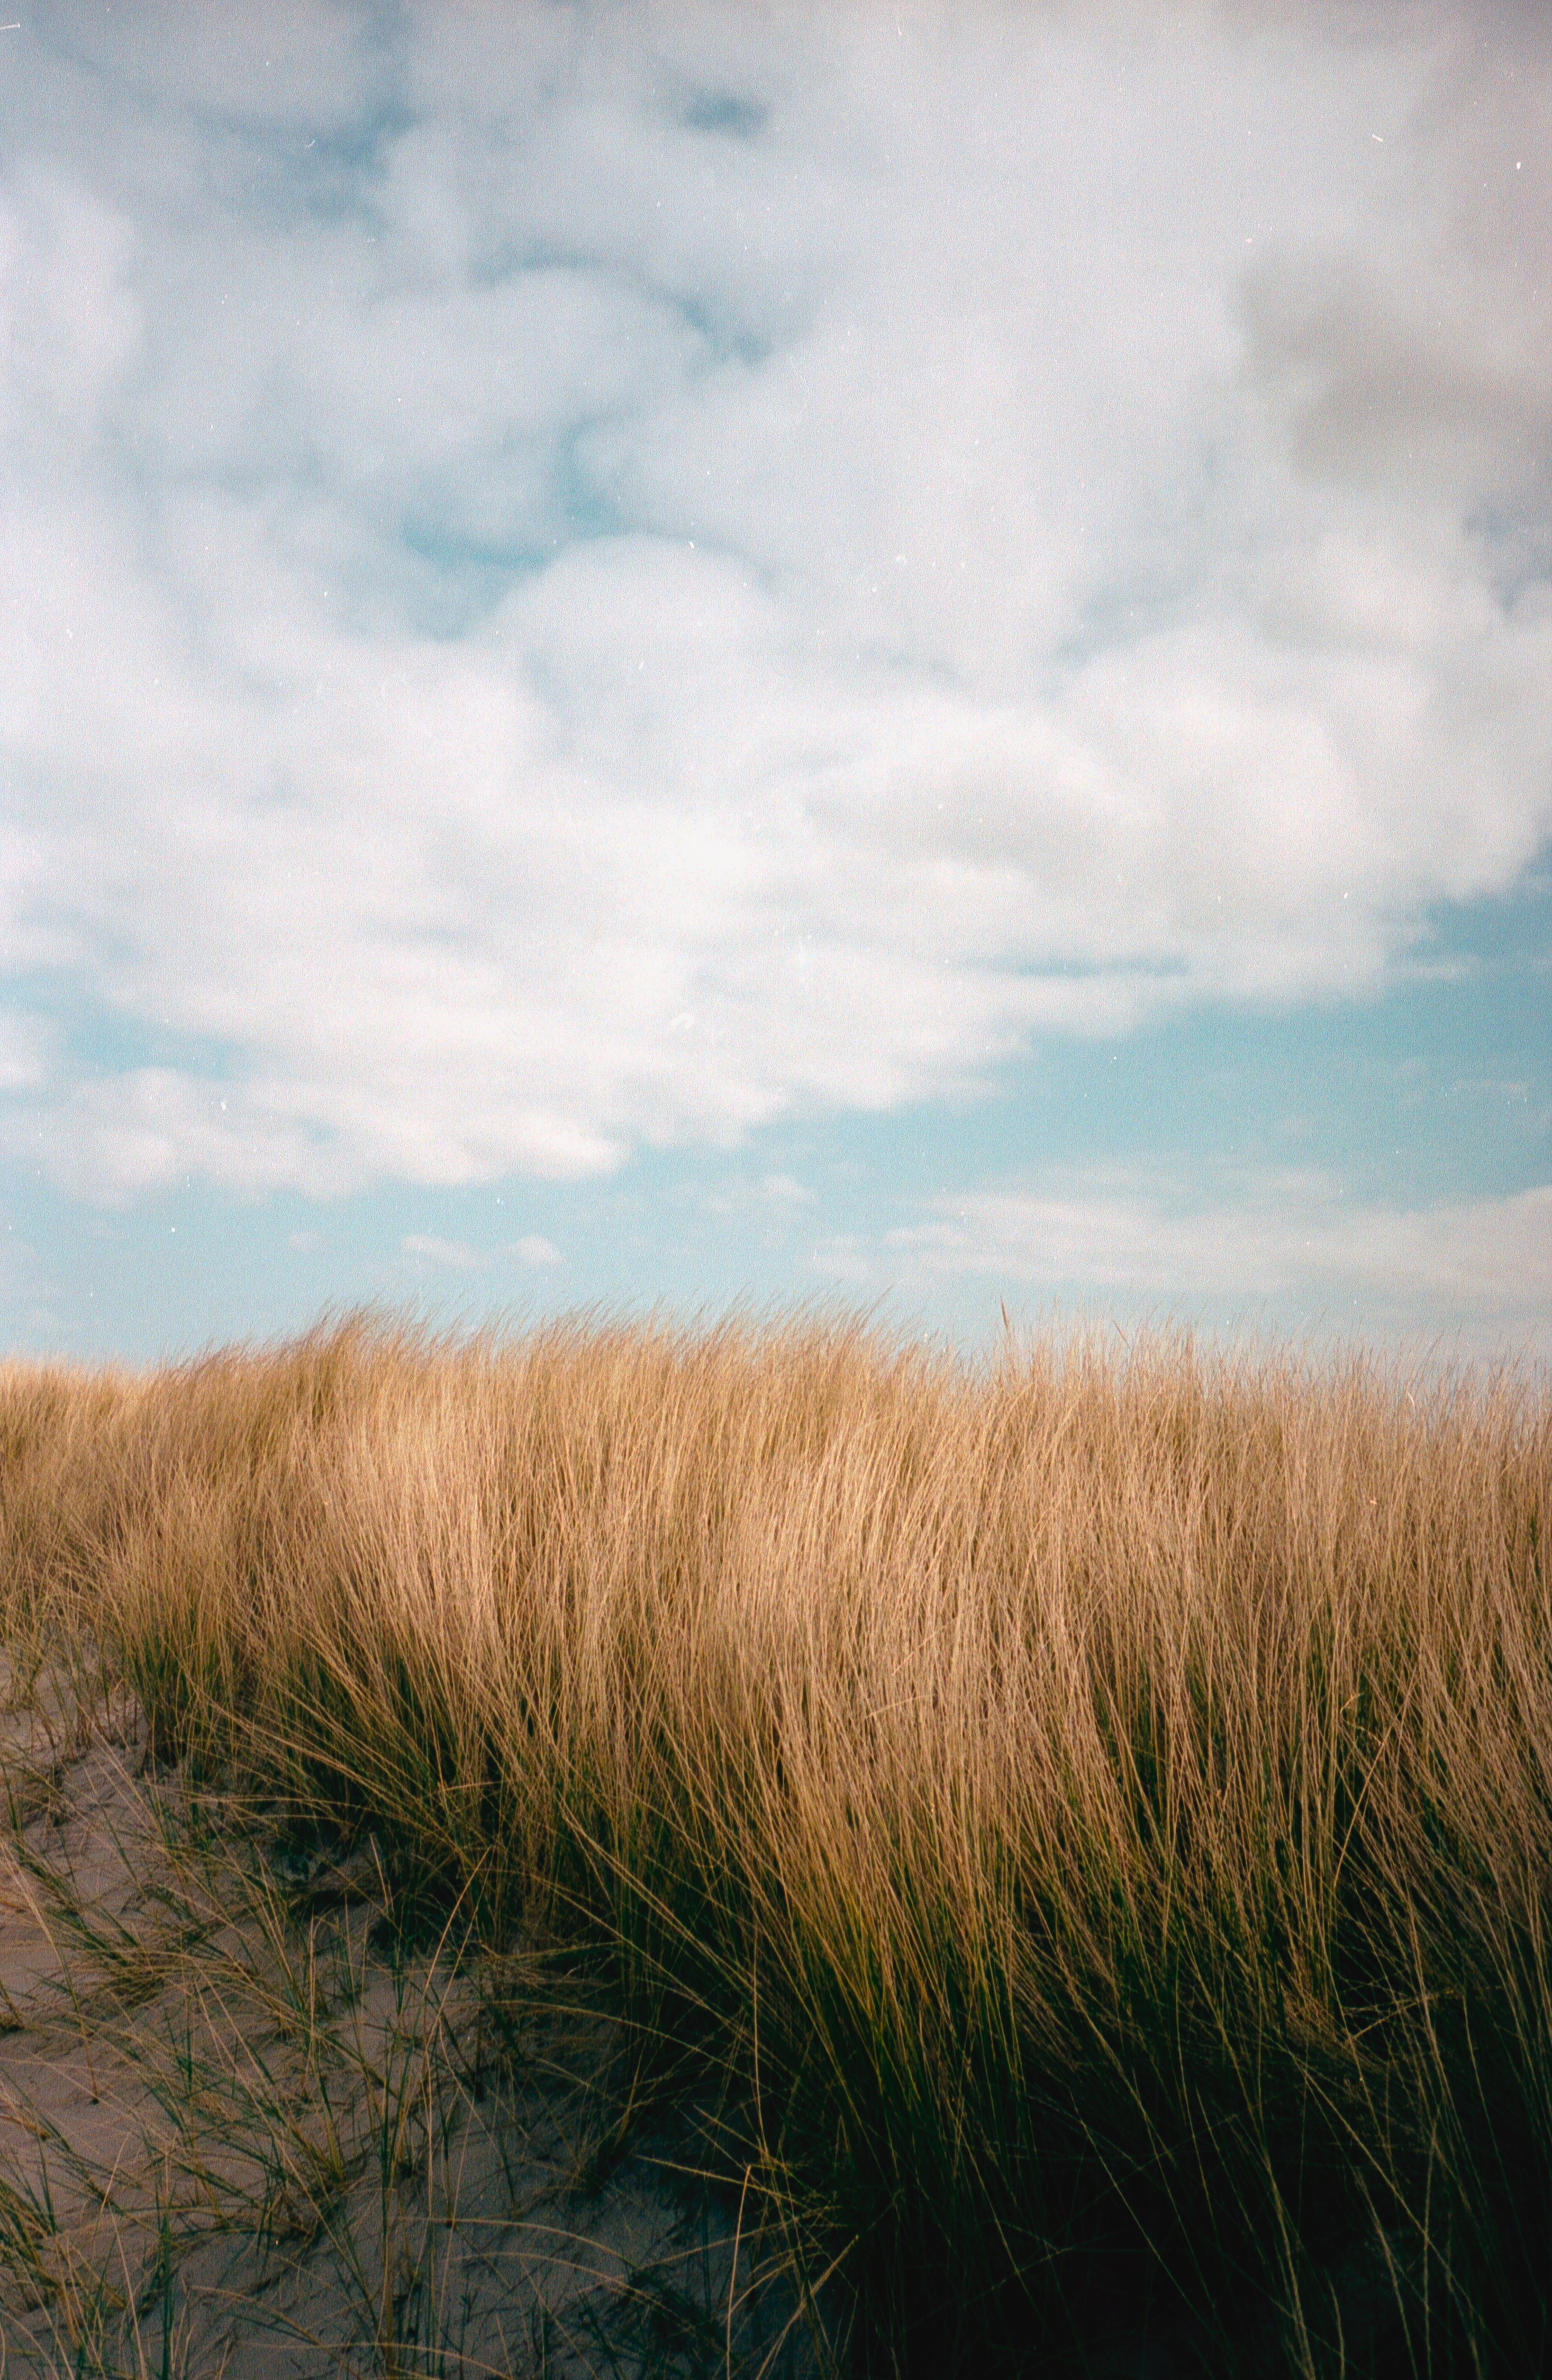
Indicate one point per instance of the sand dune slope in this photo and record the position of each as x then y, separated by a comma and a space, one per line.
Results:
246, 2128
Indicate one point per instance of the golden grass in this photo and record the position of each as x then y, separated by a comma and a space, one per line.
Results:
1092, 1816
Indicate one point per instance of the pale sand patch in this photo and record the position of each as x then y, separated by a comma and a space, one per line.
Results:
243, 2132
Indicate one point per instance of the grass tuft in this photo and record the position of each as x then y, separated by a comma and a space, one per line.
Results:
1081, 1830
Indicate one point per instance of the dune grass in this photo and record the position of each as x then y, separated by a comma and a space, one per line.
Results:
1086, 1822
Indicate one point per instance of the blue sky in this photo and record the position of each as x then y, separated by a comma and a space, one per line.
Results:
899, 656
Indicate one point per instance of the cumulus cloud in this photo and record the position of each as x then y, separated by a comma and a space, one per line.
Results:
606, 577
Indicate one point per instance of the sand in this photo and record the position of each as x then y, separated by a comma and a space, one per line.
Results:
245, 2130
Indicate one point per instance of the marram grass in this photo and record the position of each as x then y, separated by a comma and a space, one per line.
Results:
1087, 1821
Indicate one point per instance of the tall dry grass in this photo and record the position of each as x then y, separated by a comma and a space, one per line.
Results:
1092, 1817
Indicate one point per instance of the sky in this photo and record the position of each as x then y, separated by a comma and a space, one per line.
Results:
894, 658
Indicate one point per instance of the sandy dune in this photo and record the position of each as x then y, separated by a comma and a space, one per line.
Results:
245, 2130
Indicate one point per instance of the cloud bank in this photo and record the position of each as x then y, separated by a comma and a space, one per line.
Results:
599, 577
1481, 1268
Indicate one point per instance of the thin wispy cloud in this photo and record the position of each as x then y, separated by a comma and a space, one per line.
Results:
535, 1249
434, 1250
1285, 1246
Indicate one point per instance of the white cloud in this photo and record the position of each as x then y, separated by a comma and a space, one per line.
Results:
24, 1051
305, 63
679, 564
452, 1253
1294, 1241
782, 1192
535, 1249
